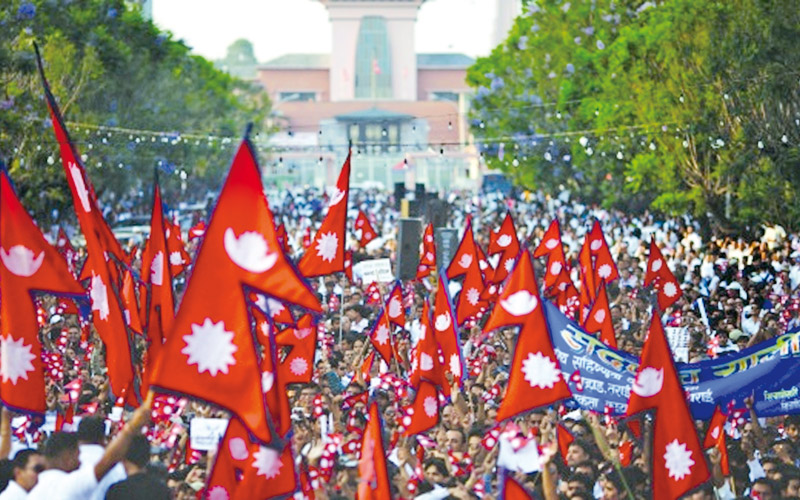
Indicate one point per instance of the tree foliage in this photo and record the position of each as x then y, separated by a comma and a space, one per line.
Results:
678, 105
109, 67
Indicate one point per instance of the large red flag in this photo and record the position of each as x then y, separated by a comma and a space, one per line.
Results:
535, 379
156, 272
604, 266
394, 306
715, 428
381, 337
599, 318
209, 352
178, 256
466, 255
427, 258
367, 233
373, 478
513, 491
28, 263
505, 241
423, 413
678, 461
100, 242
551, 247
446, 331
466, 261
302, 339
662, 279
326, 253
425, 362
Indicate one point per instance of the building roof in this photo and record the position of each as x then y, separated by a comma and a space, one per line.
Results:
322, 61
299, 61
444, 60
373, 114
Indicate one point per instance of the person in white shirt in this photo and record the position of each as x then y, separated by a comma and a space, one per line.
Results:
26, 466
91, 443
64, 479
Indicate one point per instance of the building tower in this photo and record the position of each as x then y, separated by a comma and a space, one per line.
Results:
507, 11
373, 52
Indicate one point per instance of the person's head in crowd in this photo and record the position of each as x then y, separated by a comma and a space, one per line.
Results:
435, 470
790, 483
92, 430
6, 472
703, 492
578, 451
764, 489
791, 425
138, 455
456, 440
578, 483
784, 450
26, 466
61, 451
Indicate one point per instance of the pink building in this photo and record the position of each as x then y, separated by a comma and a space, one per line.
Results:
403, 112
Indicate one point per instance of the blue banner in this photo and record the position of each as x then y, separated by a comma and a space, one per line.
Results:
769, 370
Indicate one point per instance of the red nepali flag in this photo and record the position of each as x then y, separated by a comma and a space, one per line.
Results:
326, 253
551, 247
209, 352
599, 318
446, 331
535, 378
679, 464
373, 478
427, 258
604, 266
394, 306
100, 242
302, 340
504, 240
662, 279
156, 272
130, 304
381, 337
425, 362
178, 256
367, 233
29, 264
513, 491
466, 262
423, 414
565, 438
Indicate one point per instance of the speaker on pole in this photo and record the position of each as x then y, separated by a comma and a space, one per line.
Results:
446, 245
408, 240
399, 193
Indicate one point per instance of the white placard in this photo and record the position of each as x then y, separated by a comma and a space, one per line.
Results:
374, 270
205, 433
678, 338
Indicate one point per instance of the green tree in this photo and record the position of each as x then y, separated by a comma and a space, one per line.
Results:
679, 105
116, 77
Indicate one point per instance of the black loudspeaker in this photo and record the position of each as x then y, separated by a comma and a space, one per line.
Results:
399, 193
437, 212
446, 245
408, 240
419, 192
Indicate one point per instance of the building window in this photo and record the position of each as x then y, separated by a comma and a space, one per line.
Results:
444, 96
374, 137
373, 74
297, 96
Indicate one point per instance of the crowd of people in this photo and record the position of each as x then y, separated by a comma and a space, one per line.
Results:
737, 292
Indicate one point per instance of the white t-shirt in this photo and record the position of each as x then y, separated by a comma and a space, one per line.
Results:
90, 454
54, 483
13, 492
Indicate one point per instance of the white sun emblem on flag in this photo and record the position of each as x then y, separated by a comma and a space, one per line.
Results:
99, 295
210, 346
394, 307
509, 264
218, 493
327, 245
540, 371
175, 258
298, 366
430, 406
425, 362
157, 270
455, 365
473, 296
267, 462
604, 271
275, 307
267, 381
414, 363
382, 335
670, 290
15, 359
678, 460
